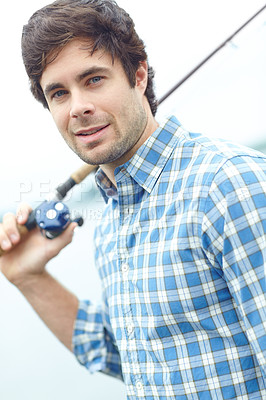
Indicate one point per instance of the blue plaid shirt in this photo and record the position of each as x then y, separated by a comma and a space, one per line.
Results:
181, 256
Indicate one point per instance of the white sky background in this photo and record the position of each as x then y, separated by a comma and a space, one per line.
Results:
227, 99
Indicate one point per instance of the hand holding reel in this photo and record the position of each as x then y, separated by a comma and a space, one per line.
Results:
53, 216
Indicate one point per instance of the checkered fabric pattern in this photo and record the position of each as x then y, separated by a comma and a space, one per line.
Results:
181, 252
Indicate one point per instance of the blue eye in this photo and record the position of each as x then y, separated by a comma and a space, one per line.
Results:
95, 79
59, 93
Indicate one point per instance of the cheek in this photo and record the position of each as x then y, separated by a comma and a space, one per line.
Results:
118, 98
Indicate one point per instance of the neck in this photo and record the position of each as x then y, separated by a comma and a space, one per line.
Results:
109, 168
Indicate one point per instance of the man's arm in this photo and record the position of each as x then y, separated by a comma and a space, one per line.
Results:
235, 235
81, 323
24, 263
55, 305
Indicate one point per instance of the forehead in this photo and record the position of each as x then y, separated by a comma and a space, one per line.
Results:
73, 58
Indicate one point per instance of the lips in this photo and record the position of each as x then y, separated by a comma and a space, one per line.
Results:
92, 136
91, 131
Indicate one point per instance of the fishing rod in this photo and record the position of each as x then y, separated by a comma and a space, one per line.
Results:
53, 216
206, 59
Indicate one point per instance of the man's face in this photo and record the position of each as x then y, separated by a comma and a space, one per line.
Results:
99, 115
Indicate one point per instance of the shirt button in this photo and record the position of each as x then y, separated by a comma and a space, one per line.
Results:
125, 268
130, 328
139, 385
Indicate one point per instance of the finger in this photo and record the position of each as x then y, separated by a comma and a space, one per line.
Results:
10, 231
67, 236
5, 242
61, 241
23, 213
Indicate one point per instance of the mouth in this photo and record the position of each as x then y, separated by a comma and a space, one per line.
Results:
92, 136
91, 131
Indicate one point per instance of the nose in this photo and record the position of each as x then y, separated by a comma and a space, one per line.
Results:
81, 106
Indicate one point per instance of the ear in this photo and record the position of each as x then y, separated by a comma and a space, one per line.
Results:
142, 76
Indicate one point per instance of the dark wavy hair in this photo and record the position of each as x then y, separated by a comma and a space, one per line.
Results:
109, 27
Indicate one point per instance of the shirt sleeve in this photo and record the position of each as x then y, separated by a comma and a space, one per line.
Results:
234, 239
93, 342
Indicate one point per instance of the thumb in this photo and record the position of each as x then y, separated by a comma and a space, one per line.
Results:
64, 239
67, 235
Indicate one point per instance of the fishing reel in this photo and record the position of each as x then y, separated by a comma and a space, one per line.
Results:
52, 217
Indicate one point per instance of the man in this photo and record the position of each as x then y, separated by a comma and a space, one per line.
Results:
181, 246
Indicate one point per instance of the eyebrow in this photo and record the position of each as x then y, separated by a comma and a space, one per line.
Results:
90, 71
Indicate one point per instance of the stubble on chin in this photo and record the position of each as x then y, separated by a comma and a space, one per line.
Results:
123, 142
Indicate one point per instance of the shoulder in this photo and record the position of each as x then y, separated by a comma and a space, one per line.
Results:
196, 154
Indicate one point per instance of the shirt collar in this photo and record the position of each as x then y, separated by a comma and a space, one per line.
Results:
147, 163
106, 187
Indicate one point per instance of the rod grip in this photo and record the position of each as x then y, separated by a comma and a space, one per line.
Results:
22, 231
82, 172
